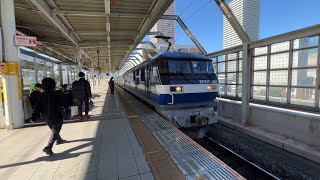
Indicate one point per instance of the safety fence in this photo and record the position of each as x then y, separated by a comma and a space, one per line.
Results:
284, 70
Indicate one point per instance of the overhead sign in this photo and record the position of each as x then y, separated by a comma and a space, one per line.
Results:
28, 41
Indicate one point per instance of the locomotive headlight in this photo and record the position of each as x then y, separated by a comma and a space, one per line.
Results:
176, 88
212, 88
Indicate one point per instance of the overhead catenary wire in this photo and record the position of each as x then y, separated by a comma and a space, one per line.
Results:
195, 12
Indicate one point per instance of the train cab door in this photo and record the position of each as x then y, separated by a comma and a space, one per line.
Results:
147, 81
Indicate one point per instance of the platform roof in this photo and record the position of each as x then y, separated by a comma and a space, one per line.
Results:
111, 27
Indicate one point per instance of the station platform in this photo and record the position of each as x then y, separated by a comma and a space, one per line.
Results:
123, 139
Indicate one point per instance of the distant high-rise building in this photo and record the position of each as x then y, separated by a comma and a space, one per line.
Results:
248, 15
167, 27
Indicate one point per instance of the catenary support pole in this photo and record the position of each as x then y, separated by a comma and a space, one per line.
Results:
14, 114
246, 70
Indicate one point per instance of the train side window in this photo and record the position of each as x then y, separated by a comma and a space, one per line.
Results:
137, 72
134, 75
143, 76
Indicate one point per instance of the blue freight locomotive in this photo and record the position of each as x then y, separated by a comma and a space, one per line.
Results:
182, 87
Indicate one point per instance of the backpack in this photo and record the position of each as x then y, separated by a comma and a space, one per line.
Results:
77, 89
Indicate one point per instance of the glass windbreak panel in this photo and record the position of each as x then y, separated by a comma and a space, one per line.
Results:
222, 78
279, 77
232, 66
221, 67
56, 73
279, 61
305, 42
240, 54
260, 78
64, 75
278, 94
222, 88
41, 69
70, 73
279, 47
232, 56
260, 51
304, 77
240, 78
239, 90
240, 64
305, 58
221, 58
28, 77
259, 92
49, 69
260, 63
231, 90
232, 78
303, 96
41, 75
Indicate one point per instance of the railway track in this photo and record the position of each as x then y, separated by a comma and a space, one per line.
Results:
244, 167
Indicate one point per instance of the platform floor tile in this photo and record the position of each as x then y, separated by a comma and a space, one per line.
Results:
104, 147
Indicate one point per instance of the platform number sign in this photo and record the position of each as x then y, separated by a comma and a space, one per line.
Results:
28, 41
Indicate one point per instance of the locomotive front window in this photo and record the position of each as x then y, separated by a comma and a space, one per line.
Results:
200, 67
185, 71
178, 67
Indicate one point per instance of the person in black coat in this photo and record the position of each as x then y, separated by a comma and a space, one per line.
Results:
111, 85
50, 104
34, 99
81, 91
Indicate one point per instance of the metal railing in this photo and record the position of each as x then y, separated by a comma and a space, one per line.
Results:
285, 70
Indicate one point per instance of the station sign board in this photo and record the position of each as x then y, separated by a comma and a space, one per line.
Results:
28, 41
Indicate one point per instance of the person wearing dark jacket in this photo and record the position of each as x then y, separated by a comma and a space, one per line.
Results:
81, 91
111, 85
49, 105
34, 99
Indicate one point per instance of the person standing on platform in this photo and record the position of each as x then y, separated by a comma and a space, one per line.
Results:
81, 92
111, 85
50, 104
34, 99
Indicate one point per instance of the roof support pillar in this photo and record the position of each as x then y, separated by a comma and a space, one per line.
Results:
14, 114
246, 83
247, 55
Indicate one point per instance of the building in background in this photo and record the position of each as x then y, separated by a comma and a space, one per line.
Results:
248, 15
167, 27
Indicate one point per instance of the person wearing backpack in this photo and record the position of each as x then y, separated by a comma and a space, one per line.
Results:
81, 92
34, 99
111, 85
50, 104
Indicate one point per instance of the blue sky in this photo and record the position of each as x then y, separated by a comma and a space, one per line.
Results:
276, 17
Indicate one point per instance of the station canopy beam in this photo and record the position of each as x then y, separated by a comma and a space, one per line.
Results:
63, 26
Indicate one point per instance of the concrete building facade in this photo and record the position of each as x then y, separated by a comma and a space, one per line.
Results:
248, 14
167, 27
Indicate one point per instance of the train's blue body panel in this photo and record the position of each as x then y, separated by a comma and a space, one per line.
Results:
153, 82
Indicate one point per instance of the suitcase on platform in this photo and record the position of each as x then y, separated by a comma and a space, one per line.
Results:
74, 111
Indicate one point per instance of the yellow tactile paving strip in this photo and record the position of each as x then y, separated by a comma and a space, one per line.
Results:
160, 163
